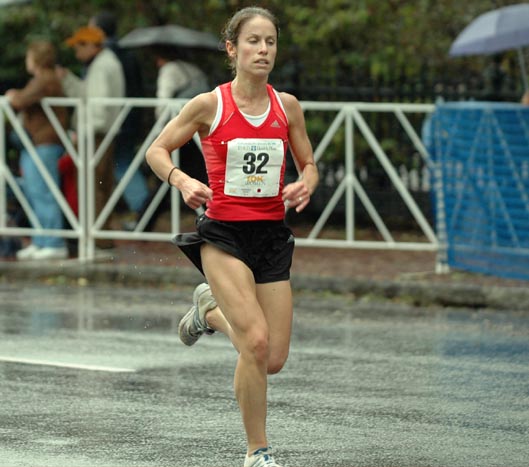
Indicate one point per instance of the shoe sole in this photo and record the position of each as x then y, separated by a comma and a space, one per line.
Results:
186, 338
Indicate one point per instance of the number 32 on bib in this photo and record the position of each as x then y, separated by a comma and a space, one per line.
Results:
253, 167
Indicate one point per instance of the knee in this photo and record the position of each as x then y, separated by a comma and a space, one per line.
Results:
257, 347
276, 362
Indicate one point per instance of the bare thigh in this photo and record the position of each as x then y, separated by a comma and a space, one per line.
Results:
254, 311
233, 286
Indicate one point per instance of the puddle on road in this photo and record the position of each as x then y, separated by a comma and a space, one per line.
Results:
41, 310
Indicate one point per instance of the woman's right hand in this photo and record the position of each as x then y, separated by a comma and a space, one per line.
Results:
195, 193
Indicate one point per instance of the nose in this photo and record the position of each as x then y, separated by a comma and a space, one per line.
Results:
264, 47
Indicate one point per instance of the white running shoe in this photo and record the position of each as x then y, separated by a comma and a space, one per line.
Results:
51, 253
261, 458
27, 253
194, 324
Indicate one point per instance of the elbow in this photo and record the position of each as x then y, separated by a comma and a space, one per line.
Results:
149, 156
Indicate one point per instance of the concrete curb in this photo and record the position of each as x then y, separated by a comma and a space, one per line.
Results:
419, 293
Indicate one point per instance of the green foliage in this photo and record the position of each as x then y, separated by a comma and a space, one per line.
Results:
370, 39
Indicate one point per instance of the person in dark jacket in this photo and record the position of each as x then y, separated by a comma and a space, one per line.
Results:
136, 192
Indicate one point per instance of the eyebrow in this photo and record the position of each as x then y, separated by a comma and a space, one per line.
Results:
254, 34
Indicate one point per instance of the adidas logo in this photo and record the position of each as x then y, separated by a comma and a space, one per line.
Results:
275, 124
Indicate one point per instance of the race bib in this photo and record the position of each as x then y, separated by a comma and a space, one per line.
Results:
253, 167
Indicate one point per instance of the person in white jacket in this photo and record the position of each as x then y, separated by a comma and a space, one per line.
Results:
177, 77
104, 78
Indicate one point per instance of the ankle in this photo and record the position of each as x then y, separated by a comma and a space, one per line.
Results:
257, 447
209, 318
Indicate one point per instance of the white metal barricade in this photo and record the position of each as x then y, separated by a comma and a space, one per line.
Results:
348, 115
88, 227
8, 180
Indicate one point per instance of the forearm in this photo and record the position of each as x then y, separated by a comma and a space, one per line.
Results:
310, 176
23, 98
159, 160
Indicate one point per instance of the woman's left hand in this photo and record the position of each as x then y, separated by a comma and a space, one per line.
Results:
296, 195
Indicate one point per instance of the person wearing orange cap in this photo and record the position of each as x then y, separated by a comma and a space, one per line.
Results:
104, 78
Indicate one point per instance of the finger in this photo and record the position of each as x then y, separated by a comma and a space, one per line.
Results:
301, 206
302, 202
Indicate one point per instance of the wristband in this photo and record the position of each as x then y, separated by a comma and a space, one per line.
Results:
169, 176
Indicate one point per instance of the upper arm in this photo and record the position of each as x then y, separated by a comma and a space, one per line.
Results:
299, 141
300, 145
196, 115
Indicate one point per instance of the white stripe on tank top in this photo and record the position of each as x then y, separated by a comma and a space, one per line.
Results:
254, 120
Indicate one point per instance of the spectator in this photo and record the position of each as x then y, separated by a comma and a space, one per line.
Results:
104, 78
136, 192
177, 77
494, 79
525, 98
40, 62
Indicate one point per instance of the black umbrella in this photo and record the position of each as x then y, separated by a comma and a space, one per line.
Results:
169, 35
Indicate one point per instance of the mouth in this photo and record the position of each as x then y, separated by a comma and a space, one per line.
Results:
262, 62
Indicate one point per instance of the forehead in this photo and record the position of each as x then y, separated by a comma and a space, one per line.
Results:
259, 25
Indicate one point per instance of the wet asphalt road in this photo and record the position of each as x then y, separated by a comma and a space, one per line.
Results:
98, 377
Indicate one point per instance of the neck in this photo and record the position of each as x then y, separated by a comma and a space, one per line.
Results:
249, 89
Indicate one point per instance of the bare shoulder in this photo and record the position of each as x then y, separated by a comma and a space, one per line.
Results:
291, 105
201, 108
288, 99
203, 103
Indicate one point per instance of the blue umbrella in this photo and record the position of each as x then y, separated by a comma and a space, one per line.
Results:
496, 31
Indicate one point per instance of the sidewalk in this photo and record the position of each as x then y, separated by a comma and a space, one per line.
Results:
369, 274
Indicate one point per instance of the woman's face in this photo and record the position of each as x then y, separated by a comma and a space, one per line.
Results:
256, 48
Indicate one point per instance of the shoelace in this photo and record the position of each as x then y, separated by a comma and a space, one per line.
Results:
199, 326
264, 458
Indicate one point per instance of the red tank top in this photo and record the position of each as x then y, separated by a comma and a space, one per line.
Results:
245, 163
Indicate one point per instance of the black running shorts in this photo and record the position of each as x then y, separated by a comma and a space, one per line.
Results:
266, 247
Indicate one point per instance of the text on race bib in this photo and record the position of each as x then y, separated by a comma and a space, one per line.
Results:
253, 167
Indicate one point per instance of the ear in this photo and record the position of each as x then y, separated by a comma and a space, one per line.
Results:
231, 49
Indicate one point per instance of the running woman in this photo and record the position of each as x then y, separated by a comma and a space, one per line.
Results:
242, 244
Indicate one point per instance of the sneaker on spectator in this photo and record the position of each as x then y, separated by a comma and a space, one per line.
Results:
51, 253
27, 253
194, 324
261, 458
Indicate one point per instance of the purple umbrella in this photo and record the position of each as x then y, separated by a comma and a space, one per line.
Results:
496, 31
